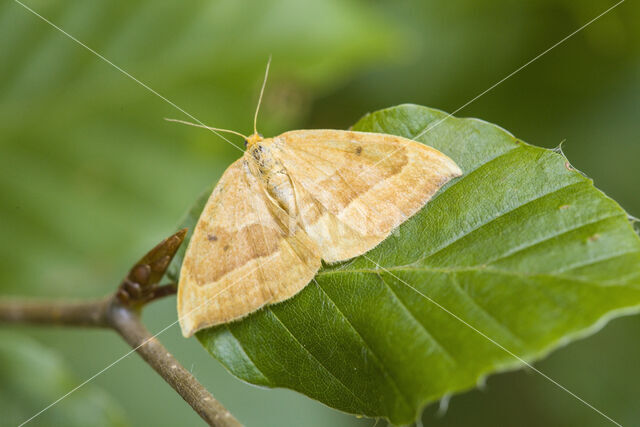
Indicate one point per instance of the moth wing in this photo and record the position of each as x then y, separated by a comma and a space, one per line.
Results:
354, 188
337, 240
245, 253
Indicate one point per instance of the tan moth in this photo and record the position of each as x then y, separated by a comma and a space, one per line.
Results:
291, 201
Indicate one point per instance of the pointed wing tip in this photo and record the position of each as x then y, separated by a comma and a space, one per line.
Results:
454, 169
187, 328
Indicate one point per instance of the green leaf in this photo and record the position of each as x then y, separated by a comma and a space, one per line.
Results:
33, 376
522, 247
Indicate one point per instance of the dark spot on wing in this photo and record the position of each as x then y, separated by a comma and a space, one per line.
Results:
235, 247
212, 237
359, 150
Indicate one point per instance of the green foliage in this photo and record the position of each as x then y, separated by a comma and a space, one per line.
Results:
33, 377
522, 247
91, 177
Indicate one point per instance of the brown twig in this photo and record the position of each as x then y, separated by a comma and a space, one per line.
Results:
121, 312
92, 313
156, 355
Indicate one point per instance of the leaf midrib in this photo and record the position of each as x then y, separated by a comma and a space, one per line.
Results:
486, 269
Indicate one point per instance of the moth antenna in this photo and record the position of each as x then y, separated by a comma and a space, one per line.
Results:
205, 127
264, 83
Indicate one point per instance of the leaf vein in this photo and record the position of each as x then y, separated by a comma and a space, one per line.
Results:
533, 243
469, 172
519, 341
351, 391
429, 335
249, 357
592, 261
491, 220
392, 380
485, 269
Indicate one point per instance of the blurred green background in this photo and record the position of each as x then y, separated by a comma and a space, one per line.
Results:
91, 176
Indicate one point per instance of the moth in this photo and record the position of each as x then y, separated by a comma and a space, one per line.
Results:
292, 201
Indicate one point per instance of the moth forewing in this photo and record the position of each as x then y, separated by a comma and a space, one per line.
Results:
369, 182
239, 257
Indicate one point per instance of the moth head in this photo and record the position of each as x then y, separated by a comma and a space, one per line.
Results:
252, 140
